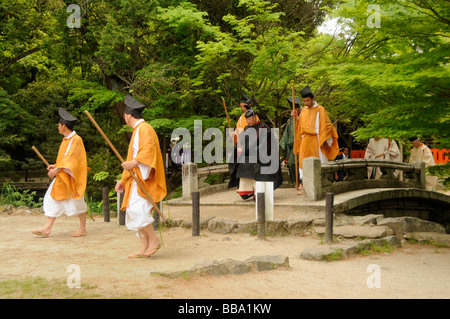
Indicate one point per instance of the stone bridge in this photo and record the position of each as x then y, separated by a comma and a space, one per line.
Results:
357, 195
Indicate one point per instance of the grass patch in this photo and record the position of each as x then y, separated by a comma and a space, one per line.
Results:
40, 288
384, 248
427, 242
335, 255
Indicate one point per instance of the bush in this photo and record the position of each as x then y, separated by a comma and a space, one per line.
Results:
12, 195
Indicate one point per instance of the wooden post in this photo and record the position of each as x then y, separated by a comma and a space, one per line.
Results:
261, 215
195, 213
122, 212
295, 138
105, 194
329, 218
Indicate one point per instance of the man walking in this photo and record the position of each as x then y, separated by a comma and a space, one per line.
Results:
66, 192
144, 158
315, 135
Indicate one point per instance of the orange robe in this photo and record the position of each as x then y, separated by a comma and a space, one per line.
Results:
149, 154
240, 126
73, 159
307, 141
242, 123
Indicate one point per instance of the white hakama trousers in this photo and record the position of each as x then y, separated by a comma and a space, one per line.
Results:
70, 207
138, 213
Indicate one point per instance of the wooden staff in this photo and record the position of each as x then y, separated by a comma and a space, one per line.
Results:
46, 163
121, 160
226, 112
295, 138
229, 124
40, 156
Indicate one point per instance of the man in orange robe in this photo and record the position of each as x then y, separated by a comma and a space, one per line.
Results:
66, 192
144, 158
315, 134
245, 105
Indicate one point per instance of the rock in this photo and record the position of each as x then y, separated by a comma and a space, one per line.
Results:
323, 253
186, 225
268, 262
6, 209
247, 227
20, 210
220, 225
173, 222
204, 222
276, 227
298, 226
340, 222
392, 241
437, 238
338, 252
215, 268
401, 225
230, 266
358, 231
370, 219
39, 210
319, 222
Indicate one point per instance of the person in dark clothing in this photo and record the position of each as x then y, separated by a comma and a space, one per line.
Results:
255, 158
340, 174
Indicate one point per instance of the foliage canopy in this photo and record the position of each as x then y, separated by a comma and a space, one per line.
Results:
182, 57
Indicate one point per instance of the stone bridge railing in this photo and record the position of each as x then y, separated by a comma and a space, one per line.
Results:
191, 174
318, 179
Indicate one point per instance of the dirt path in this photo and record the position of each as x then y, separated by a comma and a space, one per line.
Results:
412, 271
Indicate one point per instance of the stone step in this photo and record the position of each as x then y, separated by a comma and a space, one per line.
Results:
230, 266
337, 252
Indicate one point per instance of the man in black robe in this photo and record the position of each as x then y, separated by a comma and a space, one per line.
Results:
255, 158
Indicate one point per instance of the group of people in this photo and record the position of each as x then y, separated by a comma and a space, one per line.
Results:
65, 194
387, 149
309, 132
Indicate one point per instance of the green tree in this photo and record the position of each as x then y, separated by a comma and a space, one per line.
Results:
261, 55
16, 126
395, 77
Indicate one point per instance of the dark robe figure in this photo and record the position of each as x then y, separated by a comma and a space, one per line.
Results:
253, 158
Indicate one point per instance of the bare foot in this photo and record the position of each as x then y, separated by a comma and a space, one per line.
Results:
41, 233
151, 251
300, 189
137, 255
79, 233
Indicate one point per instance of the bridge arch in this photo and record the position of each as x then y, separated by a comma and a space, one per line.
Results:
396, 202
